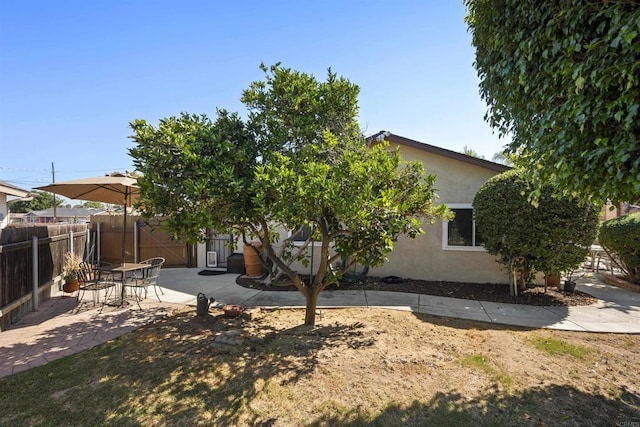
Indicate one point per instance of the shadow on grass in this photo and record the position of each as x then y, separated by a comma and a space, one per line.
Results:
554, 405
224, 381
457, 323
168, 373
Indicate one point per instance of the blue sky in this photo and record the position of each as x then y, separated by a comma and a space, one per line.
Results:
73, 74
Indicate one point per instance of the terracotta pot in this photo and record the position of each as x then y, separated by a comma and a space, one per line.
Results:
232, 310
70, 286
553, 279
251, 261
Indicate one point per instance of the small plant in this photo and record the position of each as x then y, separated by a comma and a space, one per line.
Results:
71, 270
570, 283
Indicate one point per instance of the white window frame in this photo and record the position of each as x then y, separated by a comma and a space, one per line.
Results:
315, 243
445, 232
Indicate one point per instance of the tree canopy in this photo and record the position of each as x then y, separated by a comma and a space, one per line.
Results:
94, 205
41, 200
298, 160
563, 79
551, 236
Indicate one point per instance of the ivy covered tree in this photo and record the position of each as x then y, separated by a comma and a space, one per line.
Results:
563, 79
553, 235
298, 160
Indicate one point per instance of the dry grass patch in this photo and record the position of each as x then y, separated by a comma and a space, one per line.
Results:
356, 367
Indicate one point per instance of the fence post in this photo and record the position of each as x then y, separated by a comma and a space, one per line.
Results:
135, 241
34, 272
98, 242
71, 242
87, 243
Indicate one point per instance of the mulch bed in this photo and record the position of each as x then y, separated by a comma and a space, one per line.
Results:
472, 291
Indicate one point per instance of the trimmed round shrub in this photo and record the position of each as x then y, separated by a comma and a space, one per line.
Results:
553, 235
620, 237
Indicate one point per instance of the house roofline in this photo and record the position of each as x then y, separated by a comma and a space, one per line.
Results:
12, 190
397, 139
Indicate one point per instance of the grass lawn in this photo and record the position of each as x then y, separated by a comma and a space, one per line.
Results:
357, 367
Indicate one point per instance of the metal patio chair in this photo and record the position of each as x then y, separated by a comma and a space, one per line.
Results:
96, 282
149, 277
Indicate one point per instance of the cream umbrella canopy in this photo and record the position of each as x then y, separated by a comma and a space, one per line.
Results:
116, 189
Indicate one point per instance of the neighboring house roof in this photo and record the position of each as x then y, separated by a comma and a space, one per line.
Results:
65, 212
12, 190
397, 139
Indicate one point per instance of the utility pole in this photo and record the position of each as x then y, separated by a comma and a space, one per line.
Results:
53, 178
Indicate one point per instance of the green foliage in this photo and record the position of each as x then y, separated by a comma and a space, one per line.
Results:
92, 204
563, 79
553, 235
480, 361
620, 237
196, 172
41, 200
471, 152
555, 346
298, 160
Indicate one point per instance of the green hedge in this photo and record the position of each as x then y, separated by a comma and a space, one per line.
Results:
620, 237
552, 235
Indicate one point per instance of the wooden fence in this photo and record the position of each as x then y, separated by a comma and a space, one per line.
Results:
27, 274
143, 241
31, 260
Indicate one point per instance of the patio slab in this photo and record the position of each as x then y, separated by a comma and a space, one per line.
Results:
392, 299
276, 299
342, 299
445, 311
457, 304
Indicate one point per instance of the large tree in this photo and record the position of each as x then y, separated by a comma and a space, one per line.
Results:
41, 200
299, 160
562, 77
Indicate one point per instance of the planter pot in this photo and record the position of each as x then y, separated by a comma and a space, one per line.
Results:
70, 286
252, 262
232, 310
553, 280
569, 286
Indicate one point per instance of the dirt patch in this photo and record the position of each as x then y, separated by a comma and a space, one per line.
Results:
473, 291
381, 367
356, 367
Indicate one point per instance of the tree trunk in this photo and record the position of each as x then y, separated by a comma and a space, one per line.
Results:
312, 302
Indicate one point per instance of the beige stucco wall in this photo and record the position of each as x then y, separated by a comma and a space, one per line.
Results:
4, 217
424, 258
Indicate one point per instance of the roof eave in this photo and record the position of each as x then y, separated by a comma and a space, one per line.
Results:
397, 139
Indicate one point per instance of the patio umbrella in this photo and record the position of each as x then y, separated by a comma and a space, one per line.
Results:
116, 189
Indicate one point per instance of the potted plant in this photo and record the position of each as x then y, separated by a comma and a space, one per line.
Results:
71, 272
553, 279
569, 283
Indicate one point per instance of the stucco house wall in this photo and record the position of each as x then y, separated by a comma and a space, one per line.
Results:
7, 189
459, 177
